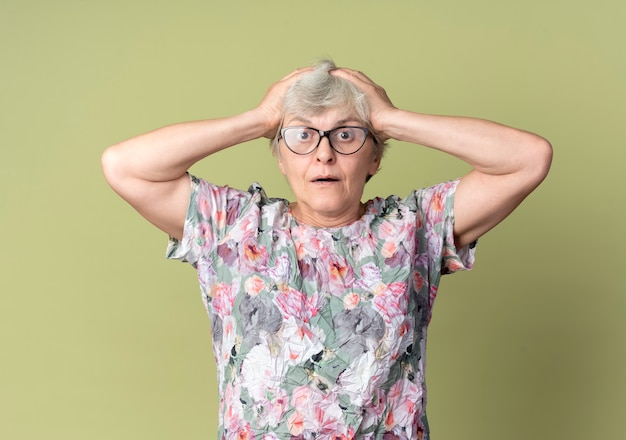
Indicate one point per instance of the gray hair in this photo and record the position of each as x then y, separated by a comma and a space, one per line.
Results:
319, 91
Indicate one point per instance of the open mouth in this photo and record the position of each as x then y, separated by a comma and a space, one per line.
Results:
324, 179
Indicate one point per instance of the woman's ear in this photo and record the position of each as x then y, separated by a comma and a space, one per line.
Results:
375, 165
281, 166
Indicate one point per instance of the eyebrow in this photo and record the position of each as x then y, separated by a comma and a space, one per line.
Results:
337, 123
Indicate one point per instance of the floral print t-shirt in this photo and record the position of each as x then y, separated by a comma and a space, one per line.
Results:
320, 333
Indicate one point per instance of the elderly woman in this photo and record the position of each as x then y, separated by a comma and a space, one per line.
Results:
319, 307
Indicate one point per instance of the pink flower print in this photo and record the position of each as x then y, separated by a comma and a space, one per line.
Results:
316, 412
329, 417
219, 219
351, 300
248, 226
223, 298
341, 274
254, 256
307, 243
246, 230
228, 335
451, 262
280, 271
206, 274
204, 235
370, 277
435, 207
300, 251
255, 253
387, 230
295, 422
296, 304
301, 396
254, 285
234, 408
388, 249
392, 302
453, 265
271, 409
304, 401
369, 244
404, 401
245, 432
204, 206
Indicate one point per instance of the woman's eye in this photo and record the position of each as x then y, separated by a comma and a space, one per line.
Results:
345, 135
304, 136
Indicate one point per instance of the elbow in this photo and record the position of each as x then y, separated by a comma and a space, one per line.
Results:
539, 160
544, 157
112, 167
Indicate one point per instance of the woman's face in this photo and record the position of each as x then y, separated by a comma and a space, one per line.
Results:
327, 185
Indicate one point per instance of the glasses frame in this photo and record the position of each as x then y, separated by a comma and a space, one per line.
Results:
324, 134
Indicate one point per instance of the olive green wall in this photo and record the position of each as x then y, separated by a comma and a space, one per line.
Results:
101, 338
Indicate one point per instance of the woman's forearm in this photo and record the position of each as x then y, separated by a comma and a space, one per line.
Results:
487, 146
148, 171
167, 153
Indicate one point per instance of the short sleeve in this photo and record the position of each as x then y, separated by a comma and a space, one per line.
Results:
436, 205
211, 209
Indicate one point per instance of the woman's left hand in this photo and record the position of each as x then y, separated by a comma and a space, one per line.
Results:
507, 163
381, 107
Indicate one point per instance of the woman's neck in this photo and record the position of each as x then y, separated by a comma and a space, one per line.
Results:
322, 220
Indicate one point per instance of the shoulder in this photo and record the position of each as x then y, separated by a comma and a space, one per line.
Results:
225, 207
229, 196
432, 198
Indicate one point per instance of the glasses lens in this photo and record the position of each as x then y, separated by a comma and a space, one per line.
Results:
300, 140
348, 140
344, 140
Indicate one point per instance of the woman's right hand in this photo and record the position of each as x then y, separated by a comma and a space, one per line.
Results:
270, 107
382, 109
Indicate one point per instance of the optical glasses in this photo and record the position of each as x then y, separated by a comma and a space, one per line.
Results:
344, 140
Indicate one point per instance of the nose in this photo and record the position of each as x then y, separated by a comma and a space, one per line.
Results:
324, 152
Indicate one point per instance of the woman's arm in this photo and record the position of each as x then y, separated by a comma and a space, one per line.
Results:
149, 171
507, 163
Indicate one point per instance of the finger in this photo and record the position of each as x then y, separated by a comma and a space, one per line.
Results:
296, 73
351, 74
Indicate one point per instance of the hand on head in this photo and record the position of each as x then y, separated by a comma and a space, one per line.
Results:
380, 105
271, 104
